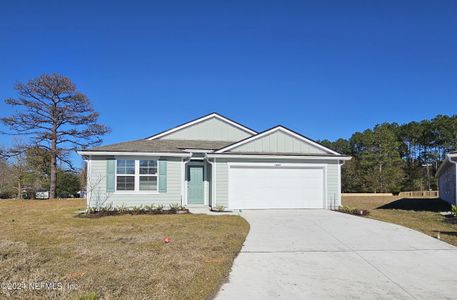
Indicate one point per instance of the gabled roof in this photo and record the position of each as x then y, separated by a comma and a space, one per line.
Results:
272, 130
451, 158
202, 119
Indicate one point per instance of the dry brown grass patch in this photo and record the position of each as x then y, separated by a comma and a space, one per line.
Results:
418, 214
115, 257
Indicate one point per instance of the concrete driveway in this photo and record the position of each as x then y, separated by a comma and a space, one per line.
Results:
319, 254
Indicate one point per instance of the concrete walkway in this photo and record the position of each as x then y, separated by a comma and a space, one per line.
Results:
319, 254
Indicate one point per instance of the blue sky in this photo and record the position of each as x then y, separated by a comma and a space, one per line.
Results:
322, 68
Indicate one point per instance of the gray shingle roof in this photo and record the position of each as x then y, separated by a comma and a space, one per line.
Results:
161, 146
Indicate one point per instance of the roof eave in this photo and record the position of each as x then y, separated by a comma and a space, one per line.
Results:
170, 154
311, 157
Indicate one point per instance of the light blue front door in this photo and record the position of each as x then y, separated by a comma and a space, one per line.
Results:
195, 187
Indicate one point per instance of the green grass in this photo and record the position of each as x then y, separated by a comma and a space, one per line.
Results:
114, 257
418, 214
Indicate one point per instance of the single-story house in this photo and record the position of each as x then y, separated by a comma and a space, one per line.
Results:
446, 174
215, 161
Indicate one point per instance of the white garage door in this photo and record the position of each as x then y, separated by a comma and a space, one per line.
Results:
276, 187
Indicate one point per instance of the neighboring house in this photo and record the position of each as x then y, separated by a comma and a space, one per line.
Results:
446, 174
213, 161
42, 194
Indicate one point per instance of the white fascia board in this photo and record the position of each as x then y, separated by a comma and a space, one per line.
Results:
198, 150
135, 153
448, 159
278, 128
214, 115
278, 156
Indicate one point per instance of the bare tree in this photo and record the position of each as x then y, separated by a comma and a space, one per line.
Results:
56, 117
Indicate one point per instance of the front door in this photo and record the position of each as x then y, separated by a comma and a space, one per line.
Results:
195, 187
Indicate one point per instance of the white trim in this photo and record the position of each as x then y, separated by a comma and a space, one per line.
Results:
183, 182
213, 115
278, 128
198, 150
136, 184
135, 153
275, 164
339, 187
305, 157
88, 183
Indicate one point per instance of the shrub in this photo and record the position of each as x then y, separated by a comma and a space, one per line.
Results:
219, 208
122, 209
109, 210
174, 207
136, 209
454, 210
149, 208
353, 211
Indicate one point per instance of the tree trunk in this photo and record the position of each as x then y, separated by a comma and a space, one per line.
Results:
19, 189
52, 185
52, 188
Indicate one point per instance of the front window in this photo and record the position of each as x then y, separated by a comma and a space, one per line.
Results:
136, 175
125, 173
148, 175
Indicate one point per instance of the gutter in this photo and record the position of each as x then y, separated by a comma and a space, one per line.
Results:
82, 153
215, 155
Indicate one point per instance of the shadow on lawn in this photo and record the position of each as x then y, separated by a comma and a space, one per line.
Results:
451, 233
418, 204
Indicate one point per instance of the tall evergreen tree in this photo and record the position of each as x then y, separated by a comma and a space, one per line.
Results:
56, 116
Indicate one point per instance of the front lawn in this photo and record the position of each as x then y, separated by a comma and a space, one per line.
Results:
43, 242
419, 214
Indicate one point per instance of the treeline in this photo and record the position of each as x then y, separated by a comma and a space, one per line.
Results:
28, 172
391, 157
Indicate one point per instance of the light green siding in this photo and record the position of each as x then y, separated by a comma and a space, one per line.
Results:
212, 129
98, 194
221, 186
279, 142
332, 178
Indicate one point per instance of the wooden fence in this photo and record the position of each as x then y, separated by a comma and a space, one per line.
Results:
409, 194
425, 194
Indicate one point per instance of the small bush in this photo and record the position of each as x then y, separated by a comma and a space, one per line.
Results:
149, 208
122, 209
454, 210
159, 208
93, 212
219, 208
174, 206
136, 210
353, 211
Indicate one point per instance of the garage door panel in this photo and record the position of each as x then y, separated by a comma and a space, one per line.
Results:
275, 187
